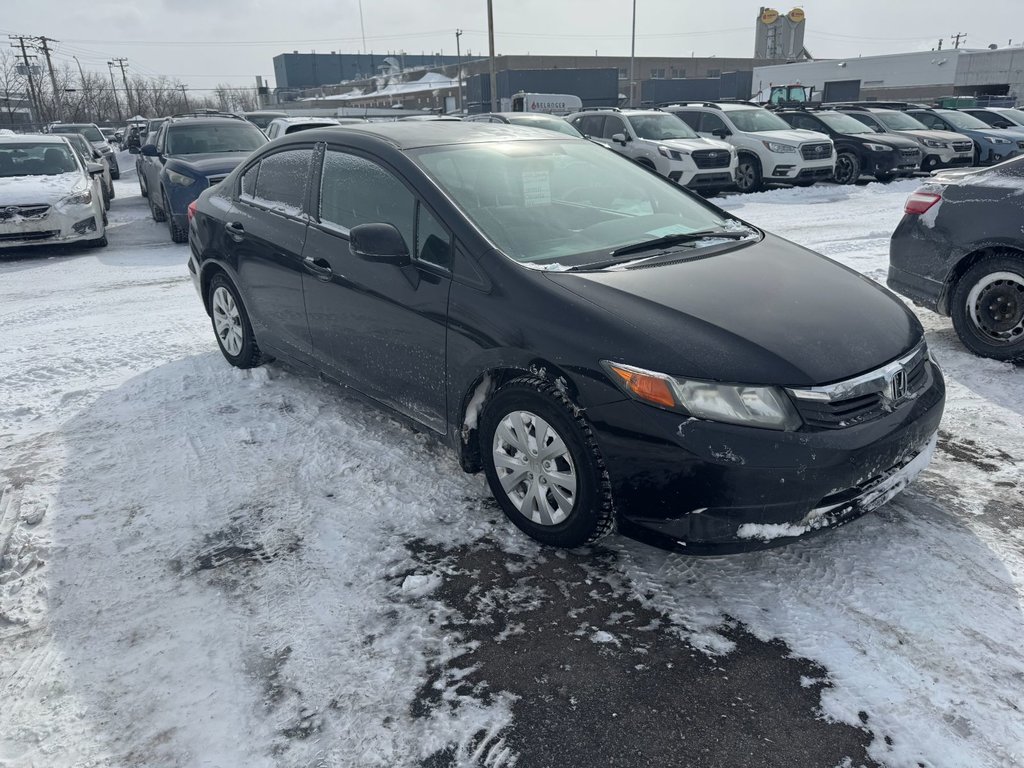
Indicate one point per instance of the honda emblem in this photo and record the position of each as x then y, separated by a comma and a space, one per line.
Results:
898, 385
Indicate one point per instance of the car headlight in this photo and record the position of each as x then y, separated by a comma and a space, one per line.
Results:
934, 144
180, 179
878, 147
997, 140
751, 406
774, 146
671, 153
78, 198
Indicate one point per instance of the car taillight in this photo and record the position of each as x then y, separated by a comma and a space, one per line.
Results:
191, 210
920, 202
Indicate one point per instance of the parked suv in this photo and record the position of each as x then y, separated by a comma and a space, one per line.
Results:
991, 145
92, 132
941, 149
194, 152
999, 117
663, 143
859, 150
768, 149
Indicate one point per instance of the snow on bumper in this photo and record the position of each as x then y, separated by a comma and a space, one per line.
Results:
59, 223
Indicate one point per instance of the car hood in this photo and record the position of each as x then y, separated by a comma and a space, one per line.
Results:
694, 145
206, 164
767, 313
946, 136
797, 136
22, 190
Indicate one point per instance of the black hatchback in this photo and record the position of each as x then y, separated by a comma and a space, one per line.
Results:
608, 348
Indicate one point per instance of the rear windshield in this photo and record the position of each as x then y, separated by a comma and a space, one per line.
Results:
91, 132
223, 137
900, 121
36, 159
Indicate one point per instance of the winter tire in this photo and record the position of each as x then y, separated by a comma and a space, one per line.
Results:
847, 168
748, 174
231, 324
987, 307
142, 187
544, 466
178, 234
156, 211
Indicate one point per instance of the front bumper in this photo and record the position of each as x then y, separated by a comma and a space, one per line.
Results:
894, 162
60, 224
795, 171
703, 487
945, 158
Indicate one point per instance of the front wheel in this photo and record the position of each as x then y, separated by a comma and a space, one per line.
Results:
231, 324
748, 174
847, 168
179, 234
988, 308
543, 465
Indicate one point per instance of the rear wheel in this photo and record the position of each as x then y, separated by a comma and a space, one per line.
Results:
142, 186
847, 168
987, 307
543, 465
231, 324
748, 174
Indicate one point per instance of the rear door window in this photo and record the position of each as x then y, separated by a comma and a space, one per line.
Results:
710, 123
692, 119
281, 182
590, 125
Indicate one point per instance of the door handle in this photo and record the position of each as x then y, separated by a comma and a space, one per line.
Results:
319, 267
235, 231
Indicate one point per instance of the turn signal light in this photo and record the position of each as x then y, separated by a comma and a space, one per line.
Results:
652, 389
920, 202
191, 210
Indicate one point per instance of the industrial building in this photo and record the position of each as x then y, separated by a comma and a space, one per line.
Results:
917, 76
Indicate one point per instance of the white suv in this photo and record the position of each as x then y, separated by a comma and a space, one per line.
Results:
769, 149
664, 144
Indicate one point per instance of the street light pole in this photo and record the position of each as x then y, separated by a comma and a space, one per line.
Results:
490, 40
632, 61
113, 91
458, 72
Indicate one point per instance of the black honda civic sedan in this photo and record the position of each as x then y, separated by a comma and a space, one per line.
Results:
608, 348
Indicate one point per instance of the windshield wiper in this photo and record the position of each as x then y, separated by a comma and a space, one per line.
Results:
682, 237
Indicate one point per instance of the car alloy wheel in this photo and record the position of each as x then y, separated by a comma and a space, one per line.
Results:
227, 321
535, 468
748, 175
995, 305
847, 168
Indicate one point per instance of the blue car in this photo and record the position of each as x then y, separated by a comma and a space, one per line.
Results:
991, 145
193, 152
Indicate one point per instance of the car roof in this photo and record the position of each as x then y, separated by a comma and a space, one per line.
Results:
432, 133
303, 120
38, 138
216, 119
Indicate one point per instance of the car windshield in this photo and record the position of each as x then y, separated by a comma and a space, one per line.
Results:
561, 204
545, 122
963, 121
31, 158
843, 123
757, 120
900, 121
91, 132
660, 127
237, 136
1013, 115
81, 143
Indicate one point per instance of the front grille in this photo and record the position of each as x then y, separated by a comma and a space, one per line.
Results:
839, 414
215, 180
963, 146
910, 154
711, 158
816, 151
28, 236
32, 211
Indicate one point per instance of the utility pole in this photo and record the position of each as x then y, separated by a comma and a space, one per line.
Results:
43, 46
36, 108
956, 38
121, 62
490, 41
113, 91
632, 61
185, 95
458, 72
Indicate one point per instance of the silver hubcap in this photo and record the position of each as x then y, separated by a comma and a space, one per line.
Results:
227, 321
746, 175
534, 468
996, 307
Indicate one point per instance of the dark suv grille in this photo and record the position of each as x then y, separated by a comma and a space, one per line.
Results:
839, 414
963, 146
910, 154
24, 211
711, 158
816, 151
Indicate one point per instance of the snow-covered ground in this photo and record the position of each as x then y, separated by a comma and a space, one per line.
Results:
203, 566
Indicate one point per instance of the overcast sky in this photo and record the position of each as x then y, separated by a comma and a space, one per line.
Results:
205, 42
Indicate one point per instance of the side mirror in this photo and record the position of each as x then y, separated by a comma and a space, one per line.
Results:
620, 138
379, 242
133, 150
721, 132
95, 169
149, 150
